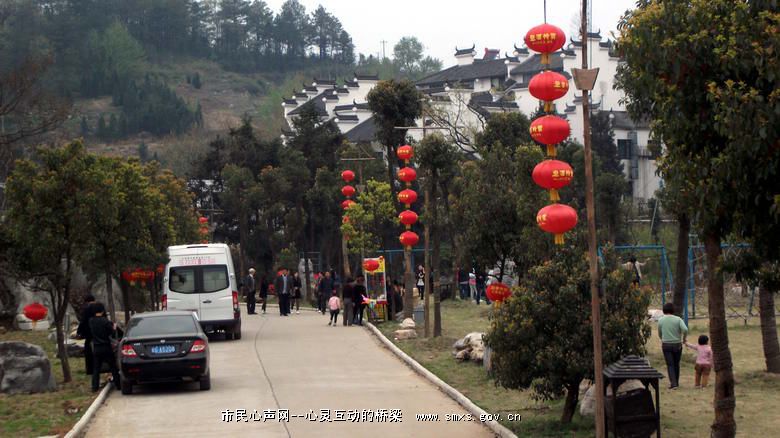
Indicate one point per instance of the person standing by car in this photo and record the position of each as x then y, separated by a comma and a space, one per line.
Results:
673, 333
325, 290
264, 290
296, 295
249, 287
283, 286
87, 312
103, 331
348, 292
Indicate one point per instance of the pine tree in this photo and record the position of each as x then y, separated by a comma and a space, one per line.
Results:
196, 81
101, 128
143, 152
84, 126
113, 127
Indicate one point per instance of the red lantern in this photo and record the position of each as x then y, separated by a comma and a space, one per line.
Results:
405, 153
348, 191
553, 175
407, 174
203, 220
35, 312
407, 197
347, 175
408, 218
498, 292
548, 86
409, 239
345, 219
545, 39
345, 205
204, 230
557, 219
160, 269
550, 130
370, 265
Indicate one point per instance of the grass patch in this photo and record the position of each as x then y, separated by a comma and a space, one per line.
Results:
684, 412
46, 413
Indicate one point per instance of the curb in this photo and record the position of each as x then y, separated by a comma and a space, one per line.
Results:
79, 428
453, 393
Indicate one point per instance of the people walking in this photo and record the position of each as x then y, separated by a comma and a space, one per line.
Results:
463, 283
481, 286
334, 304
636, 269
264, 290
296, 295
673, 333
703, 361
249, 290
421, 281
360, 294
283, 286
326, 289
103, 331
83, 331
348, 293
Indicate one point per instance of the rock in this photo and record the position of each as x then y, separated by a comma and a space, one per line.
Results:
24, 368
405, 334
462, 355
408, 323
588, 403
75, 347
477, 354
460, 344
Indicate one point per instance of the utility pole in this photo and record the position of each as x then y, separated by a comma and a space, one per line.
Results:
384, 42
585, 79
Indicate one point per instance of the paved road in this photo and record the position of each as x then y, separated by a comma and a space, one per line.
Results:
295, 363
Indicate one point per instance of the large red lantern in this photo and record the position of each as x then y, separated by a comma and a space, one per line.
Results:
345, 205
545, 39
409, 239
557, 219
35, 312
550, 130
347, 175
202, 220
408, 218
405, 153
498, 292
407, 174
548, 86
345, 219
553, 175
348, 191
407, 197
370, 265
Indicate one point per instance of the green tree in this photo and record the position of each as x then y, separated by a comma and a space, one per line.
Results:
507, 129
373, 210
542, 336
407, 53
46, 227
708, 84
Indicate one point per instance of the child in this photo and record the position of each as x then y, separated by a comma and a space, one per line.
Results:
334, 304
703, 360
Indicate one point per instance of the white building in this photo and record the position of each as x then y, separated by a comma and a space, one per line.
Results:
463, 97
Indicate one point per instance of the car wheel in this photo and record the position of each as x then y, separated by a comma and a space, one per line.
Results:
205, 382
127, 387
228, 334
237, 331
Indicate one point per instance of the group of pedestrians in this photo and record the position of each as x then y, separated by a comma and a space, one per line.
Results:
473, 284
100, 336
673, 333
287, 288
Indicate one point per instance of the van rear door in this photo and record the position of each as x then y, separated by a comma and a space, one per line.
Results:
216, 298
183, 288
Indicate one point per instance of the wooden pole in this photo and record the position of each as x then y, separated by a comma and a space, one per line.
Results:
595, 300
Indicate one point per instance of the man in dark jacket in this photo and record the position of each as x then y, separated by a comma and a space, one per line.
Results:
103, 331
325, 291
359, 293
249, 287
284, 287
83, 331
348, 294
264, 290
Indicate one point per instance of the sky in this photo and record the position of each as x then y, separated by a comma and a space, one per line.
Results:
442, 25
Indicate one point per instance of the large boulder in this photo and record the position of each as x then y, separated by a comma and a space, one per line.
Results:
405, 334
470, 347
588, 403
408, 323
24, 368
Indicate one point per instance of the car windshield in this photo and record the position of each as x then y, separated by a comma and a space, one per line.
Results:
161, 325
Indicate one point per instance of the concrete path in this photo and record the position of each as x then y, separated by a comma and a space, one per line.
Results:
296, 364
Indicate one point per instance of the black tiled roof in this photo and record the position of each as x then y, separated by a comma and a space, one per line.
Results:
342, 90
318, 104
364, 132
366, 77
632, 367
459, 52
330, 96
290, 102
351, 107
534, 65
521, 50
480, 68
302, 95
351, 84
347, 117
623, 121
433, 90
309, 88
324, 81
485, 100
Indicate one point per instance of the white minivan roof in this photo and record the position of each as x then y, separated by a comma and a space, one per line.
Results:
205, 248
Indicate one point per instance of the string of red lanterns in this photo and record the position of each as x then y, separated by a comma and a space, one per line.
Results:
550, 130
204, 229
348, 191
407, 197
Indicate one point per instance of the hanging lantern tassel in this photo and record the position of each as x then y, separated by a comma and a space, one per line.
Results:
554, 196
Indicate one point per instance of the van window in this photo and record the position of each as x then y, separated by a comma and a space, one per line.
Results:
182, 279
215, 278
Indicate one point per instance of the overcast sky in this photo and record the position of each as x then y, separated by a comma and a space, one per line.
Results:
441, 25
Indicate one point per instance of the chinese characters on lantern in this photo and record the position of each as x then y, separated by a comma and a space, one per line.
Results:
550, 130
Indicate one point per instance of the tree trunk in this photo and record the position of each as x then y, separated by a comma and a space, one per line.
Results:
126, 301
243, 238
436, 264
345, 255
681, 268
391, 171
570, 406
724, 403
427, 260
766, 305
59, 310
408, 284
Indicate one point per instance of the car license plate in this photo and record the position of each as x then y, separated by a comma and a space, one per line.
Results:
163, 349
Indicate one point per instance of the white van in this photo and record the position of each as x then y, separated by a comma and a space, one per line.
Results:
201, 279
